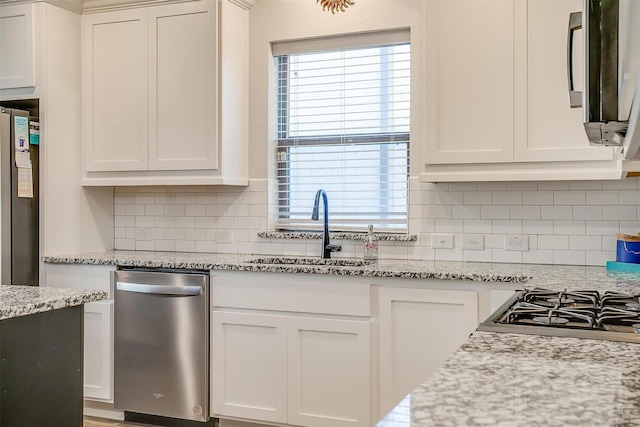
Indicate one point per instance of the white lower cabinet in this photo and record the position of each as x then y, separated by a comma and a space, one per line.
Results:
291, 370
419, 330
329, 372
98, 350
291, 351
98, 323
249, 354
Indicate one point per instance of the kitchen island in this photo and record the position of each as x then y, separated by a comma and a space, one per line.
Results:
41, 336
501, 379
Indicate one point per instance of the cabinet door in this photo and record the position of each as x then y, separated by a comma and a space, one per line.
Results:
98, 350
329, 373
17, 49
116, 61
469, 81
183, 83
419, 330
547, 129
249, 366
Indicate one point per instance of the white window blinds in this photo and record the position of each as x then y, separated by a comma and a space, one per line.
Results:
343, 126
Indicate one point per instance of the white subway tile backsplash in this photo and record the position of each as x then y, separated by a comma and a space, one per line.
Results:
449, 225
593, 213
556, 212
477, 256
193, 234
479, 226
585, 185
154, 210
185, 246
507, 226
185, 199
437, 211
134, 210
619, 213
478, 198
448, 197
586, 243
507, 197
599, 257
602, 228
538, 256
625, 184
604, 197
145, 199
569, 257
494, 212
537, 198
553, 185
465, 212
525, 212
553, 242
569, 197
165, 245
175, 210
125, 244
499, 255
570, 228
571, 222
629, 197
145, 221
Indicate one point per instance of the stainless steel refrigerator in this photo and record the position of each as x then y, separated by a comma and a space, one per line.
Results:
19, 194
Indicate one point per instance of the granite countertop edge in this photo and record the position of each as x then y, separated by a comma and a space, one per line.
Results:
16, 301
240, 262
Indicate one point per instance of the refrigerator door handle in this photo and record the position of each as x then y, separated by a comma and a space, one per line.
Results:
184, 291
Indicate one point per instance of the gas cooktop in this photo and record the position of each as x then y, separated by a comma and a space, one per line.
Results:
580, 314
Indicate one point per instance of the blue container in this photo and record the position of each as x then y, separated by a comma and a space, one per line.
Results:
628, 249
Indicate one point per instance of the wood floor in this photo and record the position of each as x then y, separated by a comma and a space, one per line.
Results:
100, 422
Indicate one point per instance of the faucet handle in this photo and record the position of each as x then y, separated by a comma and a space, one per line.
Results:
334, 248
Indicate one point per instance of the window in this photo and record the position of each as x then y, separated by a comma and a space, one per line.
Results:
343, 126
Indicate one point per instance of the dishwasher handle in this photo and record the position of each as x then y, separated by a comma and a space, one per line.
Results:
186, 291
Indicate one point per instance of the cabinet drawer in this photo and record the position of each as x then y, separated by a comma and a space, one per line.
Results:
307, 294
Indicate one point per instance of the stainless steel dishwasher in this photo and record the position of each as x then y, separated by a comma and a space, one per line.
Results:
161, 343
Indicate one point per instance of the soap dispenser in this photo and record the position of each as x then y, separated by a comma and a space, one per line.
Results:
370, 245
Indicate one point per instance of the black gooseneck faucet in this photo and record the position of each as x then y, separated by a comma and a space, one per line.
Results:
327, 248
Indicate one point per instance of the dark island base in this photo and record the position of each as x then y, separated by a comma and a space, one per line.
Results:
41, 369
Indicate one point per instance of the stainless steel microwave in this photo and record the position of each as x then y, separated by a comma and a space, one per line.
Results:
610, 97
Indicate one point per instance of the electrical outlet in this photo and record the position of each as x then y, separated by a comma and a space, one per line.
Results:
442, 241
472, 241
224, 236
516, 242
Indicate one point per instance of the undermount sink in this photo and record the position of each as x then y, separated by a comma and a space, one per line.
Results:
311, 261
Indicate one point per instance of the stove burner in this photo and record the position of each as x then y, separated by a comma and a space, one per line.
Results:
550, 320
566, 301
632, 306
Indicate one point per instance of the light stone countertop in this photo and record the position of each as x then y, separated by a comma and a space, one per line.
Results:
499, 379
24, 300
555, 277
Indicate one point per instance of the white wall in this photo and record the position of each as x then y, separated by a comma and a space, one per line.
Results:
568, 222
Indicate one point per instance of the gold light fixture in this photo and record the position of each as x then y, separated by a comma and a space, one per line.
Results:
333, 5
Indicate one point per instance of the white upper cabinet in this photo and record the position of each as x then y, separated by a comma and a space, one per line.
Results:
17, 46
183, 101
469, 81
116, 91
497, 97
153, 103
